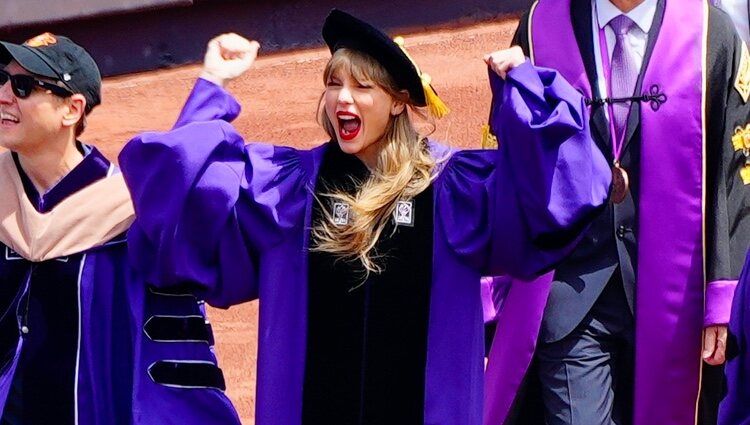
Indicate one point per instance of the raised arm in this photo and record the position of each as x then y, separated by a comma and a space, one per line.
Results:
550, 177
207, 204
228, 56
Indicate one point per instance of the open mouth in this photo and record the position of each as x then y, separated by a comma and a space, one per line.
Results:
6, 118
349, 125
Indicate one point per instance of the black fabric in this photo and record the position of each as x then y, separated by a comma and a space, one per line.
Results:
343, 30
367, 341
48, 309
187, 375
175, 329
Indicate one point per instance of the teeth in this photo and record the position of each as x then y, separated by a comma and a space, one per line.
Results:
347, 118
4, 116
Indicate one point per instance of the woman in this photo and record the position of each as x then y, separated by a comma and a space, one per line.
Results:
366, 251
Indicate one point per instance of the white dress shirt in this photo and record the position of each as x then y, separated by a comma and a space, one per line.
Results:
603, 12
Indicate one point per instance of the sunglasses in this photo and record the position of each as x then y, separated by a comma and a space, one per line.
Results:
23, 85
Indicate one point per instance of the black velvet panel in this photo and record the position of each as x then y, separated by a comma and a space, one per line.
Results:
175, 329
367, 341
187, 375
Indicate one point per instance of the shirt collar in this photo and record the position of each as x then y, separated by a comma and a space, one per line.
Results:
642, 15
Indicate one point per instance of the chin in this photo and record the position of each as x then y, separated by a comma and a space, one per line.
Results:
350, 148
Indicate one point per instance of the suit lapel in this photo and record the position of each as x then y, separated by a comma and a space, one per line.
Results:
581, 15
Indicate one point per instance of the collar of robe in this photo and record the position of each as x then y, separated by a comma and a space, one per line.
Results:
86, 219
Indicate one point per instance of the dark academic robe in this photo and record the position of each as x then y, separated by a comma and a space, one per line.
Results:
234, 220
83, 339
691, 226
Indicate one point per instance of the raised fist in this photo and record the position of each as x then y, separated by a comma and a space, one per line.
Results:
503, 61
227, 57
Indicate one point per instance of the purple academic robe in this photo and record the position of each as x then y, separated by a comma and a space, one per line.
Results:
234, 219
119, 356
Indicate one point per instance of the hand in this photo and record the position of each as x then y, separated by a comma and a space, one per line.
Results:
503, 61
227, 57
715, 344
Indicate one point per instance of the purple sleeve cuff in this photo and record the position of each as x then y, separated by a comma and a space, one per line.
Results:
719, 295
208, 102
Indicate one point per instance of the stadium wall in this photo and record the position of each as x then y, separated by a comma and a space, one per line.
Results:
136, 35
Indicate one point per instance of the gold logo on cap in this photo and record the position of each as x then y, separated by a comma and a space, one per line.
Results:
41, 40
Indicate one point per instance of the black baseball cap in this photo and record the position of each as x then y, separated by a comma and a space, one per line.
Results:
57, 57
342, 30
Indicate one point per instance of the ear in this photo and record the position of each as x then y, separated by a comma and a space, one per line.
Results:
76, 108
397, 107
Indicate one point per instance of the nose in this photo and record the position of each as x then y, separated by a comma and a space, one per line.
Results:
6, 93
345, 96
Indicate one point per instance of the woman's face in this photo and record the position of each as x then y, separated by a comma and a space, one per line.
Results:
359, 112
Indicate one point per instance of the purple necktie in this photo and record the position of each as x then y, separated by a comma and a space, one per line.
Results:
624, 72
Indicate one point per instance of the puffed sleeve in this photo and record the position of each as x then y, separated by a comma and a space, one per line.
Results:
519, 209
207, 204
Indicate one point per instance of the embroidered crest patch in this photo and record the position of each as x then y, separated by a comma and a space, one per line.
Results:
11, 255
340, 214
742, 82
404, 214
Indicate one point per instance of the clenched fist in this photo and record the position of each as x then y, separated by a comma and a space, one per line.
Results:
227, 57
503, 61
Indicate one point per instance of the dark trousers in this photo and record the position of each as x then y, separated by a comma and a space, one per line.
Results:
587, 377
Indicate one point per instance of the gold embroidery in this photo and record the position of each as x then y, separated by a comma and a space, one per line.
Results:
741, 143
745, 174
742, 83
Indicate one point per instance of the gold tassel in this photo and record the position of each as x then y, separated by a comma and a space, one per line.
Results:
436, 107
489, 140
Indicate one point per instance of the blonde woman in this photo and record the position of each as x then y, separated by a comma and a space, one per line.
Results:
366, 251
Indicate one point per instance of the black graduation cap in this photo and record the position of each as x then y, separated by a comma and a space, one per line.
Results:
342, 30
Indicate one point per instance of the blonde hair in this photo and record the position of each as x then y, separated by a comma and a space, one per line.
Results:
404, 168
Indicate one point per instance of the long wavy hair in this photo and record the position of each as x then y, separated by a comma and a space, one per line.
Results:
404, 168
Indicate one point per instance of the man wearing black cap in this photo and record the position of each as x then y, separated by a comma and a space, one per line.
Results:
82, 339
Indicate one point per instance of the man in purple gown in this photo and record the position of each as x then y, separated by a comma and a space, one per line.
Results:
83, 339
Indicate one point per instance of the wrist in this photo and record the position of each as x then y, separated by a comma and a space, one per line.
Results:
208, 76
